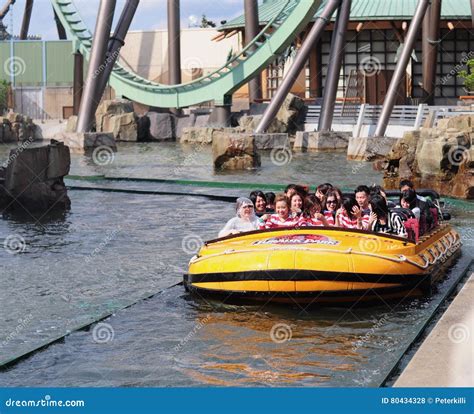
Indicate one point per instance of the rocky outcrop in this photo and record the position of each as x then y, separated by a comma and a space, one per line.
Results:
440, 158
16, 128
232, 151
117, 117
31, 179
289, 119
162, 126
321, 141
87, 142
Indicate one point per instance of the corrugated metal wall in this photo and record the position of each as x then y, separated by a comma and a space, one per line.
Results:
27, 60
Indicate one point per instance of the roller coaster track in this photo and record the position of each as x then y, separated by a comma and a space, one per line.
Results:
217, 86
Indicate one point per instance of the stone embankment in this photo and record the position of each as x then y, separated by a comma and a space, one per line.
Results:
32, 179
440, 158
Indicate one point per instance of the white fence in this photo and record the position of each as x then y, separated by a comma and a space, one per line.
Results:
362, 119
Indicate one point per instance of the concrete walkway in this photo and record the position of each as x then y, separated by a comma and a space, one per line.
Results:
446, 357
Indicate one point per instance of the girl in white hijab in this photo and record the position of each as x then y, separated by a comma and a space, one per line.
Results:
246, 220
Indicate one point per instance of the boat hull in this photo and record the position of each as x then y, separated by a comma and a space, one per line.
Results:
320, 265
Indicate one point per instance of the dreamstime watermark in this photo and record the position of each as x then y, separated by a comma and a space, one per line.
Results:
191, 243
190, 160
458, 68
103, 333
370, 66
14, 66
103, 155
281, 156
281, 333
370, 245
14, 244
199, 325
372, 153
382, 321
459, 333
103, 244
109, 60
192, 65
46, 401
24, 145
22, 322
458, 155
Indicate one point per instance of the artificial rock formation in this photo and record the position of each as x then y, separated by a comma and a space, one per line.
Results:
440, 158
16, 128
32, 179
117, 117
234, 151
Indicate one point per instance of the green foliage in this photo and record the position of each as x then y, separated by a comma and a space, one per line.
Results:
206, 23
468, 76
4, 85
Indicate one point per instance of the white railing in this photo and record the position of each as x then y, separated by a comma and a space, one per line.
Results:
402, 115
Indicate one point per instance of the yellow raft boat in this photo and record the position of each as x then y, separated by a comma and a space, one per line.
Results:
320, 265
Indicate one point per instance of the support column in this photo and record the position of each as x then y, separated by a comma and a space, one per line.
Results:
315, 71
298, 65
25, 25
334, 69
400, 70
174, 46
223, 114
59, 26
78, 82
115, 44
174, 42
97, 57
430, 50
252, 28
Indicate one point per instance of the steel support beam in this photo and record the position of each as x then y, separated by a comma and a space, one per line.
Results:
6, 8
252, 28
59, 26
400, 70
97, 57
174, 43
115, 44
298, 65
223, 114
78, 82
25, 24
334, 70
430, 50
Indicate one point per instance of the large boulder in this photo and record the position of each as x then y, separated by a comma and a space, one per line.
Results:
33, 179
234, 151
15, 127
440, 158
162, 126
117, 117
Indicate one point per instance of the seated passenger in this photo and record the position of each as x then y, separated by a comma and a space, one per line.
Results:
290, 190
349, 216
322, 190
362, 195
377, 189
270, 202
430, 213
312, 215
259, 202
296, 205
332, 205
408, 201
244, 221
382, 220
281, 218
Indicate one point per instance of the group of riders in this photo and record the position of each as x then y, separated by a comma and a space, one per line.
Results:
366, 209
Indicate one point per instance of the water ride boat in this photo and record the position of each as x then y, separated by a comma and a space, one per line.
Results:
328, 265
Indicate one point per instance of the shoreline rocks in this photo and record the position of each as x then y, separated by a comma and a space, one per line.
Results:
440, 158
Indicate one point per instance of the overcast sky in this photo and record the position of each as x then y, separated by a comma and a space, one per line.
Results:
151, 14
